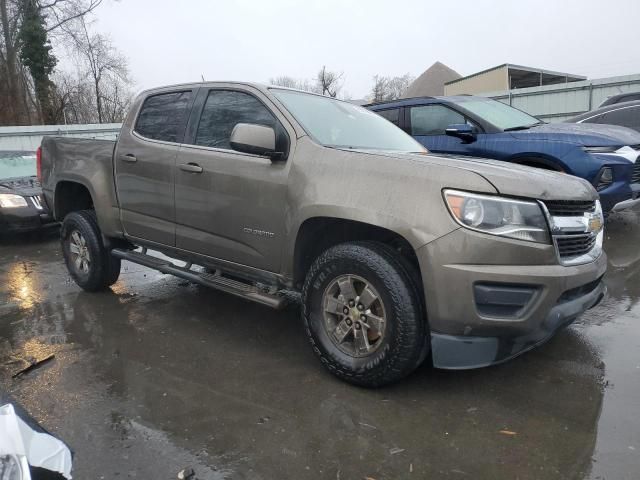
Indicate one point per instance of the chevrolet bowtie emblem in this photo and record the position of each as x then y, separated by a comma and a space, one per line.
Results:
595, 224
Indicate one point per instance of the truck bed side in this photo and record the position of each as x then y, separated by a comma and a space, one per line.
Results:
81, 170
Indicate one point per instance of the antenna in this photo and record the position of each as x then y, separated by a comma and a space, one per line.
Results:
202, 77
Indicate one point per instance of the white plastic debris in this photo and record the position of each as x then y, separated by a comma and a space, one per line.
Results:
38, 449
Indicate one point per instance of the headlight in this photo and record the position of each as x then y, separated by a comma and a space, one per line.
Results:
498, 216
605, 178
8, 200
626, 152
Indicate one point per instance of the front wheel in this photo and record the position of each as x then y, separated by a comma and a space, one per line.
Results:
363, 314
89, 263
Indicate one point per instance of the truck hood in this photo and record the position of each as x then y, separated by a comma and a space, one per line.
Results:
24, 186
508, 178
585, 134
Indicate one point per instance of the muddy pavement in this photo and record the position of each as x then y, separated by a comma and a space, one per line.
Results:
158, 375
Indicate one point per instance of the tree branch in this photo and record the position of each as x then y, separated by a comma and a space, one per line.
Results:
93, 5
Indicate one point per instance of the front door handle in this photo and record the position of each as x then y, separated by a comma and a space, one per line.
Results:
128, 158
191, 168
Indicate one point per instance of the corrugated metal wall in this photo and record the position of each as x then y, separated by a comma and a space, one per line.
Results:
28, 138
555, 103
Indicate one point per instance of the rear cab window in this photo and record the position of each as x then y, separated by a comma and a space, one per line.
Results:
164, 116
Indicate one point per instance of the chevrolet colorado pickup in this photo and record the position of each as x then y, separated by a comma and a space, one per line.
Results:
397, 255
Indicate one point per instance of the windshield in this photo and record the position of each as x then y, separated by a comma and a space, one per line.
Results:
17, 165
334, 123
499, 114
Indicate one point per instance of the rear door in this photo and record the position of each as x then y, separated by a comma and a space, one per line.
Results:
145, 165
232, 205
427, 124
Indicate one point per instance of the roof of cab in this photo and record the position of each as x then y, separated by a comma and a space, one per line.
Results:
403, 102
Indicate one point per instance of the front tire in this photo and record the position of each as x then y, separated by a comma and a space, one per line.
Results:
363, 314
89, 263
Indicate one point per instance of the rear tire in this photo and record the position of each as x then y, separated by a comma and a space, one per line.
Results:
89, 263
361, 287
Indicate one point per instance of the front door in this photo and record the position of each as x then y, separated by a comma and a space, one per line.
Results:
145, 166
231, 205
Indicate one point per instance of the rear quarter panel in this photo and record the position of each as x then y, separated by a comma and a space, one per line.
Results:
89, 163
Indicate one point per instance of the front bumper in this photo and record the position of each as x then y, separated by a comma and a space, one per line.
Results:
465, 352
469, 331
25, 219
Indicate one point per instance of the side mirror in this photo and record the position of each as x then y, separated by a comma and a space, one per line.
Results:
254, 139
463, 131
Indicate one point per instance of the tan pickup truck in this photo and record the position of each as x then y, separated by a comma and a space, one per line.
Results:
398, 255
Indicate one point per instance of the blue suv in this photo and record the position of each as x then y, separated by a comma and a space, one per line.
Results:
604, 155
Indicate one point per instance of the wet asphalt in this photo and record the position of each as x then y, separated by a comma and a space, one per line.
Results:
158, 375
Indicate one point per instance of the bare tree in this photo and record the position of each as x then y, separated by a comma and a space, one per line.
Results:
329, 83
18, 102
106, 68
60, 12
389, 88
380, 89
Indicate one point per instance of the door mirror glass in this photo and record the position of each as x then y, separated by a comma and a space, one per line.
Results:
254, 139
463, 131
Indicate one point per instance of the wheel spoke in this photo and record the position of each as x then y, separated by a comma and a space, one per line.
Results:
75, 236
85, 266
375, 322
361, 342
367, 297
346, 288
354, 315
73, 248
341, 331
78, 262
334, 305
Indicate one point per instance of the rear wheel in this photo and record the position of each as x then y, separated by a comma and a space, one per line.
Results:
89, 263
363, 314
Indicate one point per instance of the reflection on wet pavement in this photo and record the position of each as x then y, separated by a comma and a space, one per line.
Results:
158, 375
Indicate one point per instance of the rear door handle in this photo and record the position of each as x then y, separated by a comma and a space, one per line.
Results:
128, 158
191, 168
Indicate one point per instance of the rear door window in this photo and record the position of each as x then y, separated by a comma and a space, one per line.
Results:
223, 110
164, 116
433, 119
392, 114
625, 117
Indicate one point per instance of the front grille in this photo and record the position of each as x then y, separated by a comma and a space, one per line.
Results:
575, 245
37, 202
570, 208
635, 176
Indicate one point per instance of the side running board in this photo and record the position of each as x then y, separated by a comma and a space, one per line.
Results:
217, 280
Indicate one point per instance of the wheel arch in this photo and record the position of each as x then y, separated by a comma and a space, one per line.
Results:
71, 196
317, 234
539, 160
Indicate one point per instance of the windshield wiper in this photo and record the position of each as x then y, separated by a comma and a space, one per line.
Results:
523, 127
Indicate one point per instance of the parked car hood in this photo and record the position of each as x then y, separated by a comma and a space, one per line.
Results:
585, 134
511, 179
25, 186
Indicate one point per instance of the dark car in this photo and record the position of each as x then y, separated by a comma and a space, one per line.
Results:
625, 114
21, 205
481, 127
621, 98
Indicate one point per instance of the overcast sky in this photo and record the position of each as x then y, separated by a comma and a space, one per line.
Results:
167, 41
